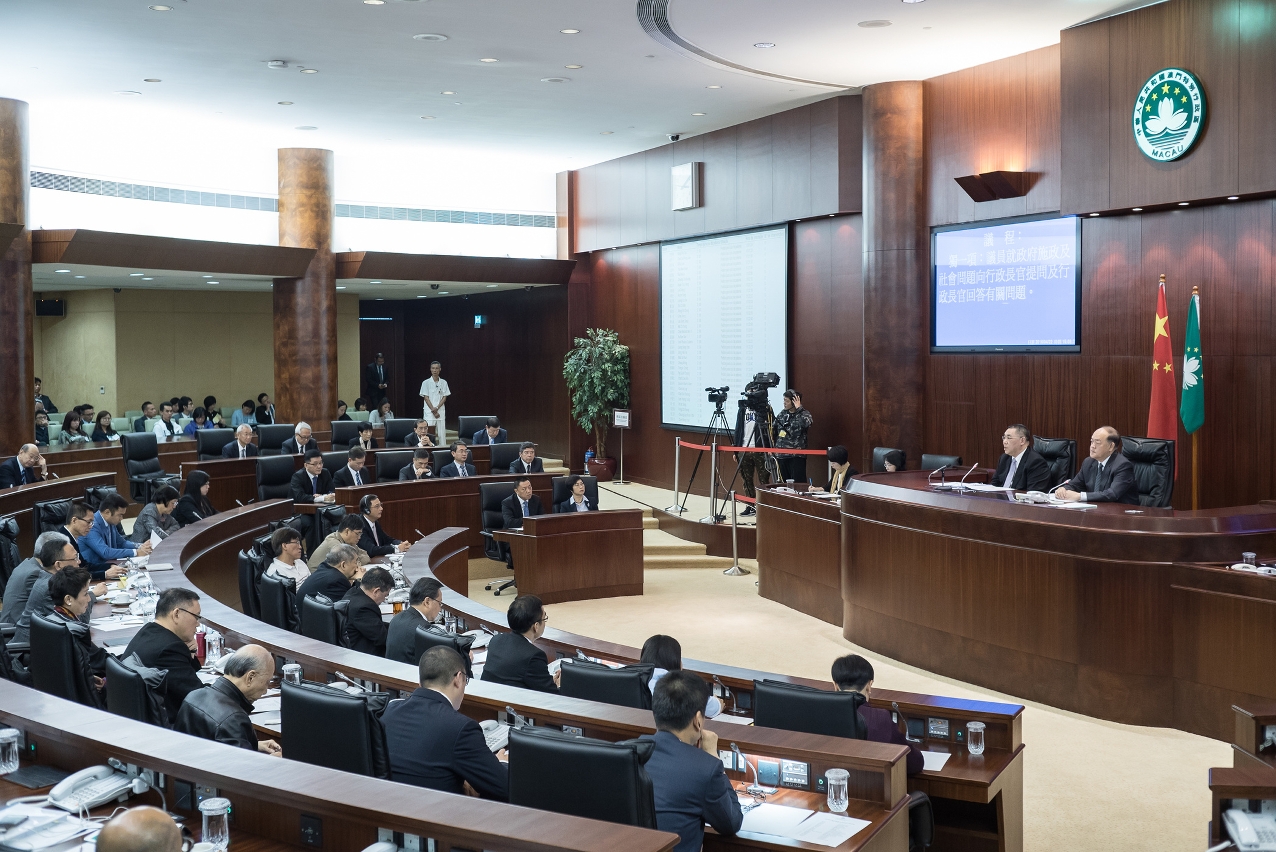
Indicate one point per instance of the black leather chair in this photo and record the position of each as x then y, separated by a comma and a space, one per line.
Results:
209, 442
274, 476
320, 620
329, 727
562, 492
48, 515
1060, 454
398, 429
335, 460
249, 579
504, 455
932, 461
10, 556
468, 425
879, 458
435, 636
808, 710
441, 459
327, 519
94, 495
53, 666
1153, 460
278, 602
551, 771
490, 496
142, 464
134, 694
626, 686
921, 822
271, 437
390, 462
343, 432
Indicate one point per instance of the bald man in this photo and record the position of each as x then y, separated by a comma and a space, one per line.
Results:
220, 711
242, 447
143, 829
1106, 476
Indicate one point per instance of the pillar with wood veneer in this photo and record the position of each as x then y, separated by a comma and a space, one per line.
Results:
305, 309
17, 353
895, 249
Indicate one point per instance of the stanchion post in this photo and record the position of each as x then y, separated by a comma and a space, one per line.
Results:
712, 517
735, 570
677, 456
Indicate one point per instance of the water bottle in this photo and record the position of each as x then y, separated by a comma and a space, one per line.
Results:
589, 454
212, 647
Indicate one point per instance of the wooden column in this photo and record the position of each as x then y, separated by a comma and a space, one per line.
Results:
17, 353
896, 334
305, 309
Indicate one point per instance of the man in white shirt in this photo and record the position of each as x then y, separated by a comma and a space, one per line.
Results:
166, 428
288, 564
435, 392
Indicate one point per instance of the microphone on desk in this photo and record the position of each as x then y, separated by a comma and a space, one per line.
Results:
968, 473
754, 789
511, 713
52, 474
352, 682
418, 532
898, 713
930, 479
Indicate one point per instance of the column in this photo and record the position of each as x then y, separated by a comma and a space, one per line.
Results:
896, 336
305, 309
17, 302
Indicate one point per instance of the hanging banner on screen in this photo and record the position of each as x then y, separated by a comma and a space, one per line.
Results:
1169, 114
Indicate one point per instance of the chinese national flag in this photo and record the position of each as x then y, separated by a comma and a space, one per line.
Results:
1163, 411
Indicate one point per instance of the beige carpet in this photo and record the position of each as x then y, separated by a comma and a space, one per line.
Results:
1088, 784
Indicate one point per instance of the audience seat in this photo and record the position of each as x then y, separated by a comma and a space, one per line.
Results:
504, 455
343, 432
625, 686
48, 515
274, 476
133, 693
879, 458
470, 424
228, 413
398, 429
313, 714
320, 620
132, 417
921, 822
270, 438
435, 636
359, 416
793, 707
55, 429
1060, 454
562, 492
389, 463
209, 442
931, 461
441, 459
53, 665
327, 519
1153, 460
142, 464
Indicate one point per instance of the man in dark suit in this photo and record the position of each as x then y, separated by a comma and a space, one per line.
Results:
79, 521
168, 643
853, 673
312, 483
527, 461
301, 442
577, 502
44, 400
420, 437
47, 558
418, 468
364, 439
690, 784
265, 414
375, 541
336, 577
376, 380
365, 631
1021, 467
148, 413
459, 465
353, 473
512, 659
521, 504
242, 447
1106, 476
491, 434
21, 469
424, 602
432, 745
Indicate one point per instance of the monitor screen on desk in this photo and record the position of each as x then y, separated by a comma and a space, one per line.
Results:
1010, 286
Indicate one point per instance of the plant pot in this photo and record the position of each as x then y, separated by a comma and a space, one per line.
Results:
604, 469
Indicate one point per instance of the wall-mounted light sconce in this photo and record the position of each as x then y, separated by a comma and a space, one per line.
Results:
991, 186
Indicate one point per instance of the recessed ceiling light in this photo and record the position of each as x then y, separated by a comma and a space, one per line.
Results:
144, 278
573, 66
374, 2
1138, 209
285, 103
569, 32
152, 80
447, 93
456, 103
161, 8
914, 1
309, 70
1182, 204
374, 282
379, 299
207, 276
606, 133
430, 37
492, 286
428, 117
872, 25
81, 276
63, 271
697, 113
713, 87
136, 274
489, 59
127, 92
443, 292
212, 282
307, 127
764, 44
1094, 214
555, 79
1233, 197
341, 287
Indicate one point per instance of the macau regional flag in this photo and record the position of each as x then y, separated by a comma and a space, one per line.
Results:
1192, 405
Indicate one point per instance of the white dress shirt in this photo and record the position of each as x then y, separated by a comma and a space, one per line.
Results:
297, 571
434, 392
161, 430
355, 475
1014, 468
582, 506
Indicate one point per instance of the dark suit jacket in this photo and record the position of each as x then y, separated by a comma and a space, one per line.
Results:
1115, 484
380, 545
13, 473
96, 569
354, 442
344, 479
431, 745
514, 661
569, 505
517, 466
407, 473
160, 648
691, 789
1033, 473
326, 581
290, 448
300, 489
48, 404
262, 416
400, 642
371, 381
18, 589
882, 730
139, 425
450, 470
480, 437
231, 450
512, 510
365, 631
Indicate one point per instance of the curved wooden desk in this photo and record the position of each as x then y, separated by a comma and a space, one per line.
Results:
19, 501
1073, 608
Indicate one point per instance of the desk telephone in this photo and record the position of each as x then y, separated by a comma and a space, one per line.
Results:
89, 788
1251, 832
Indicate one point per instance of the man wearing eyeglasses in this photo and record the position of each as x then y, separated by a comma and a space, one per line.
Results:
54, 552
512, 658
1021, 467
168, 643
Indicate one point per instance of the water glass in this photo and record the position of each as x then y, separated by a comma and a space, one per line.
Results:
9, 750
216, 813
449, 621
838, 798
212, 647
1249, 558
292, 674
975, 737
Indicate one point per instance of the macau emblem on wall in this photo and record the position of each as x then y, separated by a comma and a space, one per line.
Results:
1169, 114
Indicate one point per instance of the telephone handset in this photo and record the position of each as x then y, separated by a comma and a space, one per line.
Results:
1033, 497
1251, 832
89, 788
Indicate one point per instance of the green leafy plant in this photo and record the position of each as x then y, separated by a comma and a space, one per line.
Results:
597, 374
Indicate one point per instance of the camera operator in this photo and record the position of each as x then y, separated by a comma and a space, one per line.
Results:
750, 429
790, 430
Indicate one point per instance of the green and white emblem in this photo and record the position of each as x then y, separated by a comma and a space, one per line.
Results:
1168, 114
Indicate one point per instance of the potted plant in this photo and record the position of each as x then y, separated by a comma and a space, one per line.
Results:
597, 374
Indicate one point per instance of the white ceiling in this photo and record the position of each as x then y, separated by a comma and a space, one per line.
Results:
214, 120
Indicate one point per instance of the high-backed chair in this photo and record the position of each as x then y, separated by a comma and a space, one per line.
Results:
274, 476
468, 425
879, 458
360, 416
921, 822
435, 636
327, 519
503, 455
343, 432
390, 462
441, 459
398, 429
1060, 454
1153, 460
249, 579
54, 667
133, 416
551, 771
311, 713
55, 429
10, 556
94, 494
932, 461
142, 464
490, 496
335, 460
562, 492
132, 691
271, 437
209, 442
48, 515
278, 602
808, 710
320, 620
625, 686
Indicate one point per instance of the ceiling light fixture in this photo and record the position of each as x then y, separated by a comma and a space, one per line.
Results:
374, 282
697, 113
81, 276
428, 117
492, 286
206, 276
489, 59
341, 286
136, 274
307, 127
447, 93
152, 80
285, 103
1182, 204
556, 79
144, 278
569, 32
420, 295
713, 87
1138, 209
873, 25
573, 66
430, 37
309, 70
1094, 214
62, 271
764, 44
374, 2
213, 282
443, 292
127, 92
606, 133
161, 8
914, 1
1233, 197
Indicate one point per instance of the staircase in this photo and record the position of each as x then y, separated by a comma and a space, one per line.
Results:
662, 550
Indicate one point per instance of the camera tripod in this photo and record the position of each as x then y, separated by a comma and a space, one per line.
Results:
761, 438
717, 425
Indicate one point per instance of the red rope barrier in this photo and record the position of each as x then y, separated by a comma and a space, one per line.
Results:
782, 451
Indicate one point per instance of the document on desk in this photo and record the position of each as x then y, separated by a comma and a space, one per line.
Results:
160, 566
269, 720
984, 487
933, 761
267, 705
1063, 504
777, 820
481, 638
733, 720
117, 622
155, 538
828, 829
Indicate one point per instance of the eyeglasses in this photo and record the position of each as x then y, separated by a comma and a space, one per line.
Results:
74, 560
194, 615
544, 618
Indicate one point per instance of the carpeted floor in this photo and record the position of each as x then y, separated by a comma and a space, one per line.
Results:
1088, 784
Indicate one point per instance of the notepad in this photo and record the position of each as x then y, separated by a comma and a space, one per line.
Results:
933, 761
267, 705
828, 829
160, 566
777, 820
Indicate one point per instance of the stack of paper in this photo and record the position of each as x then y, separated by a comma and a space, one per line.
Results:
823, 829
933, 761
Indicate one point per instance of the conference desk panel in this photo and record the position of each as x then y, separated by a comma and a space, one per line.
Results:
109, 456
577, 556
1071, 607
18, 501
799, 541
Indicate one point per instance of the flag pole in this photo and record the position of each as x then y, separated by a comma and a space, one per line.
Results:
1196, 482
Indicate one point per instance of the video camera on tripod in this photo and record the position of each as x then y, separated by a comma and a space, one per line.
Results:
755, 392
718, 395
